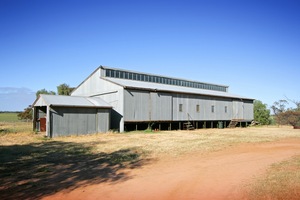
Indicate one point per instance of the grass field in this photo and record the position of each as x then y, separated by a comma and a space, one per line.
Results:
33, 165
9, 117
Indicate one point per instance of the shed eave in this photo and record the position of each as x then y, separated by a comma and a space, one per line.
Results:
181, 92
78, 106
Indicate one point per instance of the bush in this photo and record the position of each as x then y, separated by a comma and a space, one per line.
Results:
26, 114
290, 117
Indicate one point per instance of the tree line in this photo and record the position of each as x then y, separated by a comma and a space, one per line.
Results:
62, 89
283, 113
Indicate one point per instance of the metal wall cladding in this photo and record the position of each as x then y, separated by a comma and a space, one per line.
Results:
103, 120
237, 109
94, 85
156, 106
78, 121
161, 106
136, 105
196, 107
248, 110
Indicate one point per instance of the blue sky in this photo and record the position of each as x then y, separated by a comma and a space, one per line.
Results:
251, 45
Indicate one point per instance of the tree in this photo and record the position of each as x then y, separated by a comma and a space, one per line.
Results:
44, 91
291, 117
26, 114
287, 115
64, 89
279, 107
261, 113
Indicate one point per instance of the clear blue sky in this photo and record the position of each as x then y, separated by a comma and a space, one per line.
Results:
251, 45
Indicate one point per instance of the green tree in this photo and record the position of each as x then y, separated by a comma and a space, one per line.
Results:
26, 114
44, 91
64, 89
261, 113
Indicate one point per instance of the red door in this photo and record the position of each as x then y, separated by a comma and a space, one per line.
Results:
42, 124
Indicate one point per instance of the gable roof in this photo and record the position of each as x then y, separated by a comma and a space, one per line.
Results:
70, 101
126, 83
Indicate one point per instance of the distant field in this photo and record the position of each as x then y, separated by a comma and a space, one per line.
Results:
9, 117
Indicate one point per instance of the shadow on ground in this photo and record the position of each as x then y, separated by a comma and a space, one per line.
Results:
36, 170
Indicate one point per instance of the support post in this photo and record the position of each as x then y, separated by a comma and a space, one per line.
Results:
34, 118
48, 131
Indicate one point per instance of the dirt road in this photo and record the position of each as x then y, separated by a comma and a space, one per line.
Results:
218, 175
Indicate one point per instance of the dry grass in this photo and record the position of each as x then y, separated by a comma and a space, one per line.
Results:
17, 133
282, 181
156, 144
174, 143
30, 163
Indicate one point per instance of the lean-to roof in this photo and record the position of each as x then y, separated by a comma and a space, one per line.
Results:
70, 101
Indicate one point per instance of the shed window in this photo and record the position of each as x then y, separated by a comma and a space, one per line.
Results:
117, 74
107, 73
197, 108
225, 109
121, 74
147, 78
212, 109
180, 107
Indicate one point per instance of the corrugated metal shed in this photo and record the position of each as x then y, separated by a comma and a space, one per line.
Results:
70, 101
71, 115
171, 88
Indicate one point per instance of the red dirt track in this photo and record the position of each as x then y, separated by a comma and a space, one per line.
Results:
218, 175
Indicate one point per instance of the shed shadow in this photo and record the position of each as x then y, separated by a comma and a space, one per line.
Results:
35, 170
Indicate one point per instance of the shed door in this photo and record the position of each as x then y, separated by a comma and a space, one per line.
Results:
161, 107
238, 110
43, 124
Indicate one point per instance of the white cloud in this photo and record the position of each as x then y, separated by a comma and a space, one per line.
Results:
15, 99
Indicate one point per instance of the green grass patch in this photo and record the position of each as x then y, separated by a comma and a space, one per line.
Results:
9, 117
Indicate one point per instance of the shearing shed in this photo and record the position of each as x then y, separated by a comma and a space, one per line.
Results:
141, 100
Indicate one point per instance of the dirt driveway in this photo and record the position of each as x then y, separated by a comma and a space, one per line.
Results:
218, 175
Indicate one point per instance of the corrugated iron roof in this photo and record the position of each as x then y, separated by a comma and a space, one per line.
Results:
171, 88
70, 101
